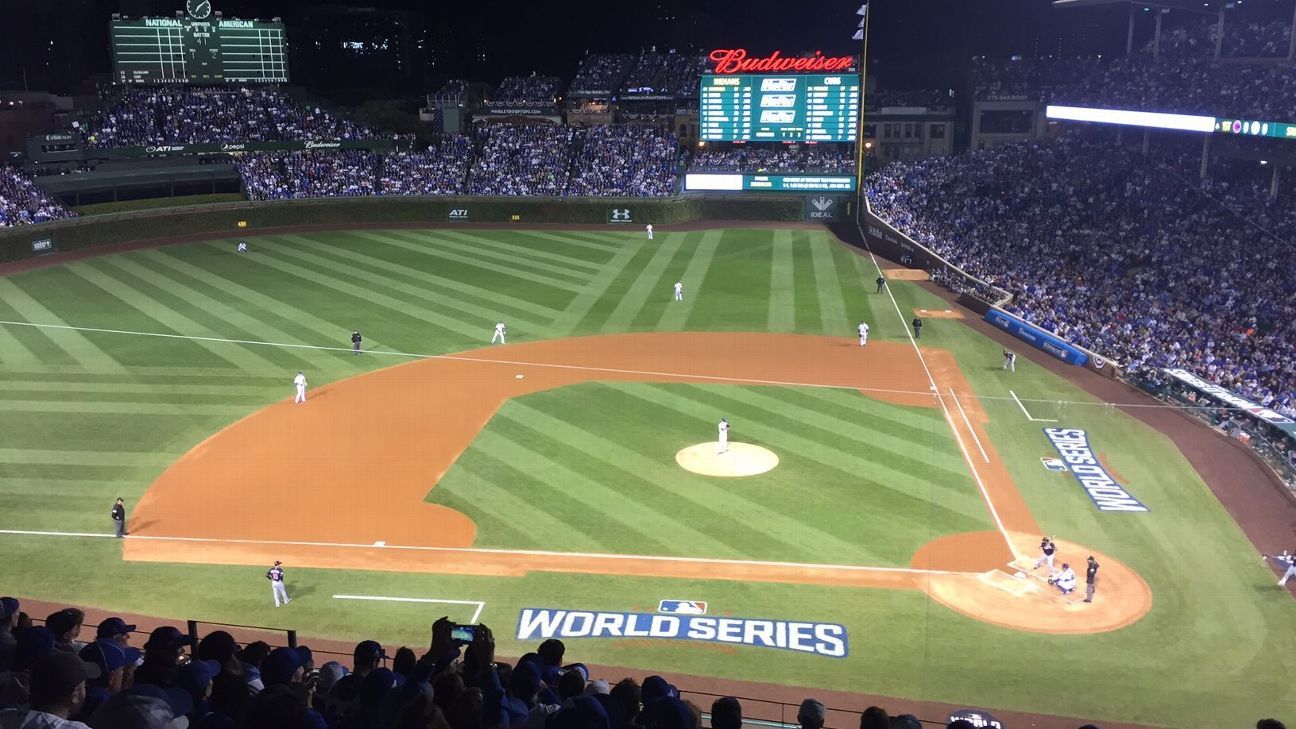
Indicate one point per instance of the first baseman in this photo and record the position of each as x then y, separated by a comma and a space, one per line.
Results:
679, 290
1285, 560
499, 334
1047, 548
723, 436
863, 333
277, 589
300, 382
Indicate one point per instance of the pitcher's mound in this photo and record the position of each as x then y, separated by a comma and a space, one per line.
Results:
743, 459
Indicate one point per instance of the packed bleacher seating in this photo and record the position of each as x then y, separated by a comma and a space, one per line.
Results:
1119, 253
438, 170
602, 72
521, 159
528, 90
289, 175
140, 116
22, 202
665, 74
782, 158
629, 161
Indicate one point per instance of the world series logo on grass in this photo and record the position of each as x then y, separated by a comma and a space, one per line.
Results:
824, 639
1073, 445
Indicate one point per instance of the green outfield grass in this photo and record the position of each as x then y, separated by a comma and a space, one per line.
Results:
92, 415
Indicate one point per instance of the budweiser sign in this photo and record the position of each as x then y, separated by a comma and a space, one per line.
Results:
737, 61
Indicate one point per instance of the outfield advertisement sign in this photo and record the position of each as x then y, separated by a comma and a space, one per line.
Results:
323, 145
1259, 412
743, 182
1037, 337
458, 215
1074, 448
620, 215
823, 639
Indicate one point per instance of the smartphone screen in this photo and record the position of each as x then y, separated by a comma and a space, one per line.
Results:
463, 633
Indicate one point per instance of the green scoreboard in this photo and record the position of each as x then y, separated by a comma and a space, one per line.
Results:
194, 50
774, 108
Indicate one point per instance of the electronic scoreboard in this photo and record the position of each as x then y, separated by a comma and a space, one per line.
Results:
198, 48
779, 108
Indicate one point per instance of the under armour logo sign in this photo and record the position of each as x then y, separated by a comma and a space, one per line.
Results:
621, 214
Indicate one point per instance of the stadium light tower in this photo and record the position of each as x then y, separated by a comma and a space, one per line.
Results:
861, 35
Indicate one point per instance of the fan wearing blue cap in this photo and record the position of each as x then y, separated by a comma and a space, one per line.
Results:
58, 691
162, 655
116, 630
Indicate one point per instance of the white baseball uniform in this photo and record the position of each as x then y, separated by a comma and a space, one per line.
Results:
300, 382
679, 291
499, 334
1066, 581
649, 229
723, 436
242, 246
1010, 361
1289, 561
863, 333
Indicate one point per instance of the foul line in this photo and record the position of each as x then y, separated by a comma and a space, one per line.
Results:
476, 616
1027, 414
976, 475
499, 552
971, 430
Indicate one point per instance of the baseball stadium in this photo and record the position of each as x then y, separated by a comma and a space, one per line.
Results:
735, 385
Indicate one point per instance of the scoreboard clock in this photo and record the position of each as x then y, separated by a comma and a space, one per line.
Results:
198, 48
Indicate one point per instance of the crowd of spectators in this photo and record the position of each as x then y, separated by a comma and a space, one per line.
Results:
626, 161
141, 116
22, 202
927, 99
439, 170
290, 175
528, 90
665, 74
780, 158
1119, 253
602, 72
521, 159
67, 675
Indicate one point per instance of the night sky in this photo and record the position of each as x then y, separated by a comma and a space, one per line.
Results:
914, 43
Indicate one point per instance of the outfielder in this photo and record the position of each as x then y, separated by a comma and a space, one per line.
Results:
648, 228
1010, 360
1065, 580
723, 436
1284, 560
499, 334
277, 589
242, 247
863, 333
1047, 548
679, 290
300, 382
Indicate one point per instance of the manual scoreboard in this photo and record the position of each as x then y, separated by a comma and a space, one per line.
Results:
192, 50
771, 108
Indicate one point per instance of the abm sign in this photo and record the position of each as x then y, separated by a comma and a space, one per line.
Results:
824, 639
1107, 495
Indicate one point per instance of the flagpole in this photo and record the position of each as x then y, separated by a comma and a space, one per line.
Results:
859, 139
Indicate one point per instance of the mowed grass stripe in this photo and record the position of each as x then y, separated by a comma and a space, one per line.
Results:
72, 457
321, 330
445, 289
913, 423
644, 286
442, 253
791, 534
863, 475
832, 306
303, 266
782, 298
577, 241
358, 266
61, 487
574, 316
235, 317
496, 253
535, 526
122, 407
75, 344
676, 316
591, 494
97, 386
131, 294
517, 248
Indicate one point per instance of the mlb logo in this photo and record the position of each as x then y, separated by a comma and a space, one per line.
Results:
1053, 464
682, 607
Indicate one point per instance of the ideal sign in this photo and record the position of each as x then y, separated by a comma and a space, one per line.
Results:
736, 60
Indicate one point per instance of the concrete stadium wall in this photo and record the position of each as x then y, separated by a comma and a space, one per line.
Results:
223, 218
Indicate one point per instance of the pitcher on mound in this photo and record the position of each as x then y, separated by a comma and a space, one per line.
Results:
723, 433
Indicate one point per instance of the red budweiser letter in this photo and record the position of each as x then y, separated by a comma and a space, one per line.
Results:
736, 61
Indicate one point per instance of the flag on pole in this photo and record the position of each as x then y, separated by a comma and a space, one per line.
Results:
859, 35
863, 10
